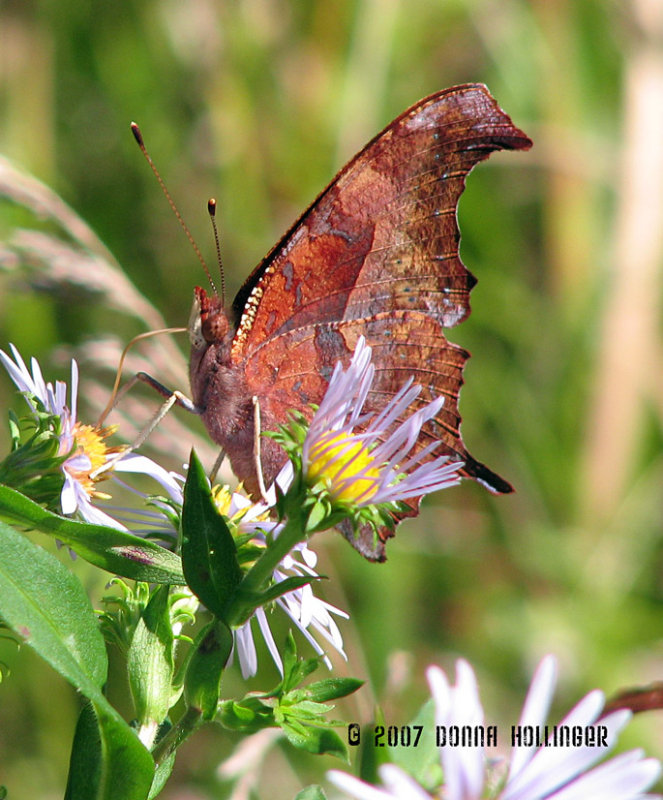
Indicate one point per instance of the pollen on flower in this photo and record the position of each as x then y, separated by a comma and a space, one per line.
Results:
90, 441
345, 464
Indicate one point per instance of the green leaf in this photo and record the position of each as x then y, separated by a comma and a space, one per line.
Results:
161, 775
332, 688
313, 792
209, 554
302, 669
246, 716
306, 710
317, 515
116, 551
107, 759
423, 761
126, 769
294, 669
250, 601
372, 757
45, 605
202, 681
150, 660
315, 740
85, 761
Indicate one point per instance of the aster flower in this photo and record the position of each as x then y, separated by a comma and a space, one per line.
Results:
83, 449
372, 467
535, 772
309, 613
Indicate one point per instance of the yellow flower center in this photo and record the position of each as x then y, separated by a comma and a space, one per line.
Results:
223, 496
345, 465
91, 441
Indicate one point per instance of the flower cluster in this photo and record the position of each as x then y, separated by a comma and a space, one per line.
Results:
82, 453
83, 449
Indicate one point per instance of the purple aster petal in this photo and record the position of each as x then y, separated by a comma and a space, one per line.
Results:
19, 374
246, 650
96, 516
269, 639
43, 391
535, 709
428, 477
553, 767
132, 462
356, 788
58, 401
399, 784
68, 496
622, 778
395, 407
463, 766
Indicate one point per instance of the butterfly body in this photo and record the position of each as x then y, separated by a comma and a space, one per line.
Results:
376, 254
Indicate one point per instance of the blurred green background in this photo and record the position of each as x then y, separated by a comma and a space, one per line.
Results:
258, 103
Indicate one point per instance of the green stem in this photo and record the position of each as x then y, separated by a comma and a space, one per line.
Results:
188, 723
261, 572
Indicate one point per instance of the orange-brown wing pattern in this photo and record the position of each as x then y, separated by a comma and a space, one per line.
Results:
292, 370
376, 255
383, 236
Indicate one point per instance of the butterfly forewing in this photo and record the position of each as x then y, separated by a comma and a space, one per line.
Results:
383, 235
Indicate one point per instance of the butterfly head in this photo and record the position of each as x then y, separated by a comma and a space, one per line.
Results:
208, 322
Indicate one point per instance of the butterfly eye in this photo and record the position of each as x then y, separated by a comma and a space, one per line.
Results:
215, 327
195, 327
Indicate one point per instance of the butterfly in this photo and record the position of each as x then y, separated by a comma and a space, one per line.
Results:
374, 255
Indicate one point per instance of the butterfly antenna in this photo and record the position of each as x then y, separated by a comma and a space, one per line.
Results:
211, 210
138, 136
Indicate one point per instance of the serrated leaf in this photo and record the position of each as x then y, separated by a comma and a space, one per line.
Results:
116, 551
209, 554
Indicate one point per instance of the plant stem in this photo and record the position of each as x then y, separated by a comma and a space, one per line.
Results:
261, 572
188, 723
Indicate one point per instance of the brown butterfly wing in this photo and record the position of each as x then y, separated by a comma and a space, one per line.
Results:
376, 254
293, 369
383, 235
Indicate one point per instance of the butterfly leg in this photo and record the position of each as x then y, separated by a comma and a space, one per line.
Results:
256, 448
217, 466
172, 398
